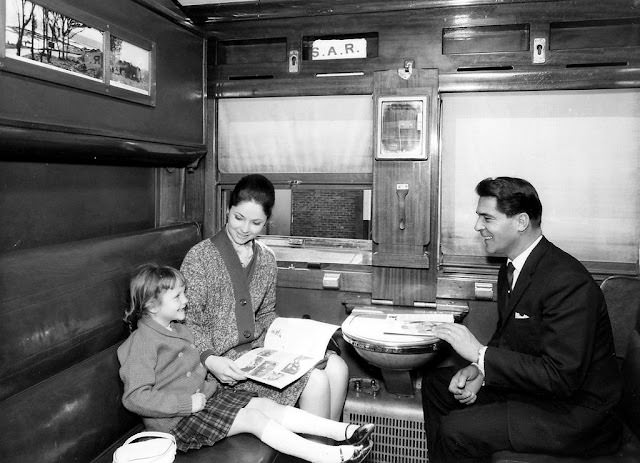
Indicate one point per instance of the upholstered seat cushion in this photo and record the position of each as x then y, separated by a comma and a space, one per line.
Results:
629, 452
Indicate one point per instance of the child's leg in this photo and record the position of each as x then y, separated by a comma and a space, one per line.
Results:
300, 421
254, 421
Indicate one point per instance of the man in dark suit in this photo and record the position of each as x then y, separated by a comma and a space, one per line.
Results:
548, 380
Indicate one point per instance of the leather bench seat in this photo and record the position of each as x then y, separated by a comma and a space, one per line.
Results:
60, 392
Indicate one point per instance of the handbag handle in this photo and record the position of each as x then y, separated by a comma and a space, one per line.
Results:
163, 450
163, 435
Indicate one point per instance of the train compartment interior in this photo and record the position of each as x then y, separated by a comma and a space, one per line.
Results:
122, 135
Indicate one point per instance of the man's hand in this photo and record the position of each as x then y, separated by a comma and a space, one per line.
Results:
460, 338
465, 384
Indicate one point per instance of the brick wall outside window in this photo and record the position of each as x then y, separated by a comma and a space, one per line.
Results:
327, 213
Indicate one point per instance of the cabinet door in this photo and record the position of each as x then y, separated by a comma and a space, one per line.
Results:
402, 203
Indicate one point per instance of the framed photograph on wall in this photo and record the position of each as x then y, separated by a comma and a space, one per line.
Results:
402, 127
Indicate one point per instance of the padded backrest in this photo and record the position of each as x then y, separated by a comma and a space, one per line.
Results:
630, 404
69, 417
61, 304
622, 294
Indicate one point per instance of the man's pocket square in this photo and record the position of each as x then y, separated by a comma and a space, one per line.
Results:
521, 316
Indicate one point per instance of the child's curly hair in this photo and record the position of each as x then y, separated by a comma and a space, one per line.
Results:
148, 283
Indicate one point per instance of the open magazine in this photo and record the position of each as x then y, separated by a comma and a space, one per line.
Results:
292, 347
415, 324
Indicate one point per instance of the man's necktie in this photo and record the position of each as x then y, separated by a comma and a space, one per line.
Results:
510, 269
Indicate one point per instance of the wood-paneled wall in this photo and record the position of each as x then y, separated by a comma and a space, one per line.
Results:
580, 55
75, 164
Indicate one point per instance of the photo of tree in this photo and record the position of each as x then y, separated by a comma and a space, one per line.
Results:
48, 38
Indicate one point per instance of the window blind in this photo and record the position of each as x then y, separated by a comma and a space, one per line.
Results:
580, 150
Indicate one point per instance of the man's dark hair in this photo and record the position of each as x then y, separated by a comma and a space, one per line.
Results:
513, 195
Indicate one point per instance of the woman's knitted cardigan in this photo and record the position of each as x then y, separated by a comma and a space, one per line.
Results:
211, 312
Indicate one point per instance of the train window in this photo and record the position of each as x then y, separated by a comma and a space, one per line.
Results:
318, 152
580, 149
55, 41
318, 224
319, 135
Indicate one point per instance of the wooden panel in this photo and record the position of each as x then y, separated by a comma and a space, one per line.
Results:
359, 282
408, 259
170, 190
177, 117
485, 39
402, 286
387, 202
389, 174
404, 244
416, 33
269, 50
44, 204
594, 34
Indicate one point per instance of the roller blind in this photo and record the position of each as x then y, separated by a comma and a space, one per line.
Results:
307, 134
580, 149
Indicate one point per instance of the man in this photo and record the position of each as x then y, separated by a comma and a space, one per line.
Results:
548, 380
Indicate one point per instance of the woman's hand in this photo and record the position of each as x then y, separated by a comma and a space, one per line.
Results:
225, 370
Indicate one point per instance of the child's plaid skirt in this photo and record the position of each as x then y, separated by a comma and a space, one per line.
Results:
211, 424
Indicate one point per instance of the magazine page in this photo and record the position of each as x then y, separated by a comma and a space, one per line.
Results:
274, 367
302, 336
415, 324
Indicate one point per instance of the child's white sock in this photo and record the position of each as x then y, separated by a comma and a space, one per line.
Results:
300, 421
284, 440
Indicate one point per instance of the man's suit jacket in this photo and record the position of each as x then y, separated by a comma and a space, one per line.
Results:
552, 356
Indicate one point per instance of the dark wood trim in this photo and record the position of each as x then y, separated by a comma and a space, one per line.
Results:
357, 282
547, 79
174, 15
342, 180
470, 81
355, 85
22, 141
278, 9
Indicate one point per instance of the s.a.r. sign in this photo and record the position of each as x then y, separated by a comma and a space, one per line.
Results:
339, 49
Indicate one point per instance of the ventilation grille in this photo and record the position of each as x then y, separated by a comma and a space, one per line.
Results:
395, 440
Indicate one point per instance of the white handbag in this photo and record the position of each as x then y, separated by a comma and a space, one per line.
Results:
158, 447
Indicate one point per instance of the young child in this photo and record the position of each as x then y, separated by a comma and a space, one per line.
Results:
165, 383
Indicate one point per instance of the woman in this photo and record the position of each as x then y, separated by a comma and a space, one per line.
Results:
232, 292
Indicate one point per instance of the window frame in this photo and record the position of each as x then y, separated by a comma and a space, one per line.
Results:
226, 182
53, 75
467, 269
